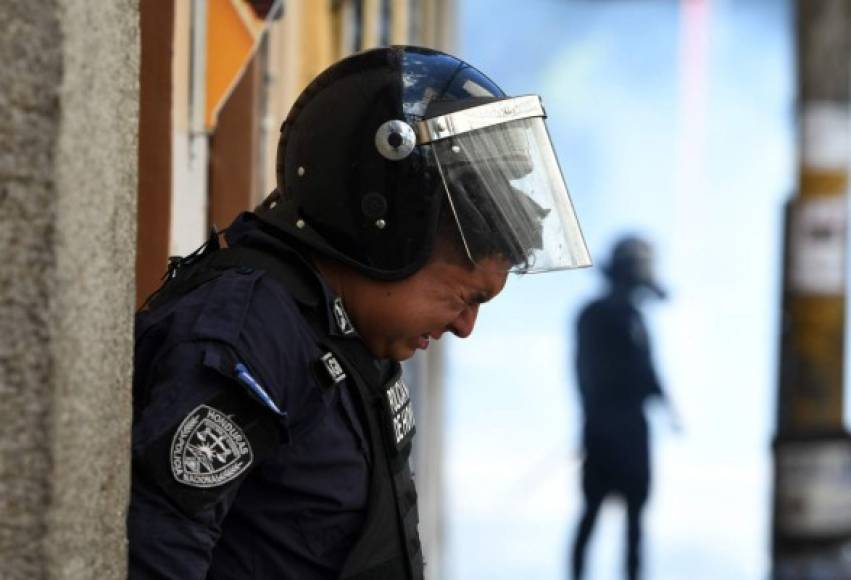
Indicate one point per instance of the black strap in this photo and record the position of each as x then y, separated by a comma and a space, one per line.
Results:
395, 466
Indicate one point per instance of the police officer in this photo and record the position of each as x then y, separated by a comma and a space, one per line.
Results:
272, 427
616, 378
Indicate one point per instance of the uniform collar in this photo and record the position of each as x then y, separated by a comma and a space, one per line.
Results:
306, 284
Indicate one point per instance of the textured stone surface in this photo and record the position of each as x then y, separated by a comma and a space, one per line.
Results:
68, 115
29, 86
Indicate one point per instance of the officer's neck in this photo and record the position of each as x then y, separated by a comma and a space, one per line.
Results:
622, 293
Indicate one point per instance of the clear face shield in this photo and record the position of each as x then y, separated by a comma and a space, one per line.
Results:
505, 187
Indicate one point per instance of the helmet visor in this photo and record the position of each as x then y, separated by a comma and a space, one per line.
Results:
505, 188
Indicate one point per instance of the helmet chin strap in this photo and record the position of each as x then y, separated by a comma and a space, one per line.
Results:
269, 201
330, 270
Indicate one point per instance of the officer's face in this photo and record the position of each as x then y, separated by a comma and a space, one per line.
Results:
397, 318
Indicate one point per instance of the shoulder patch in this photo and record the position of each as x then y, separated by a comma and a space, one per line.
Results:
209, 449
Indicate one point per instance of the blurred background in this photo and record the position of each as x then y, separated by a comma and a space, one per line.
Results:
715, 129
675, 121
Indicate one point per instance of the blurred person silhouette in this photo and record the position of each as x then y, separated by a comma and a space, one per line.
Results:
616, 377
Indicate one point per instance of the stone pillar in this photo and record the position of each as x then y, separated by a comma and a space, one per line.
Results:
812, 448
68, 123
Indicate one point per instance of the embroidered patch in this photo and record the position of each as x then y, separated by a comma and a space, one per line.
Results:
209, 449
332, 365
344, 323
398, 399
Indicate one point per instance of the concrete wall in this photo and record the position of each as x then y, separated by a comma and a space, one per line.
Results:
68, 119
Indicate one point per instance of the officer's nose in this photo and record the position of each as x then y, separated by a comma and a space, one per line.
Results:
463, 325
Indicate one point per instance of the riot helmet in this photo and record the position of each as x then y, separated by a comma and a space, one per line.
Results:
387, 144
631, 265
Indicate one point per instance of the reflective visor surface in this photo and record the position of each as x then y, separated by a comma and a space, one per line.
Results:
509, 198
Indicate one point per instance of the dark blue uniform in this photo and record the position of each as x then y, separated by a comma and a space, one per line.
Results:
250, 459
616, 377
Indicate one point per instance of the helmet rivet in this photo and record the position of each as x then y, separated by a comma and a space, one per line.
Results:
380, 224
300, 171
300, 224
456, 149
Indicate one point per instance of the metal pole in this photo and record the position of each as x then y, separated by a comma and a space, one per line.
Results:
812, 451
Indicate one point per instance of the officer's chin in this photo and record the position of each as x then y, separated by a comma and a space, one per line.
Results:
409, 354
396, 352
401, 353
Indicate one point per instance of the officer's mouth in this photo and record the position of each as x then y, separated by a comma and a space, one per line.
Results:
422, 342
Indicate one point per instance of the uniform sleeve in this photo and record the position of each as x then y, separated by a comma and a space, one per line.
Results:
196, 436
